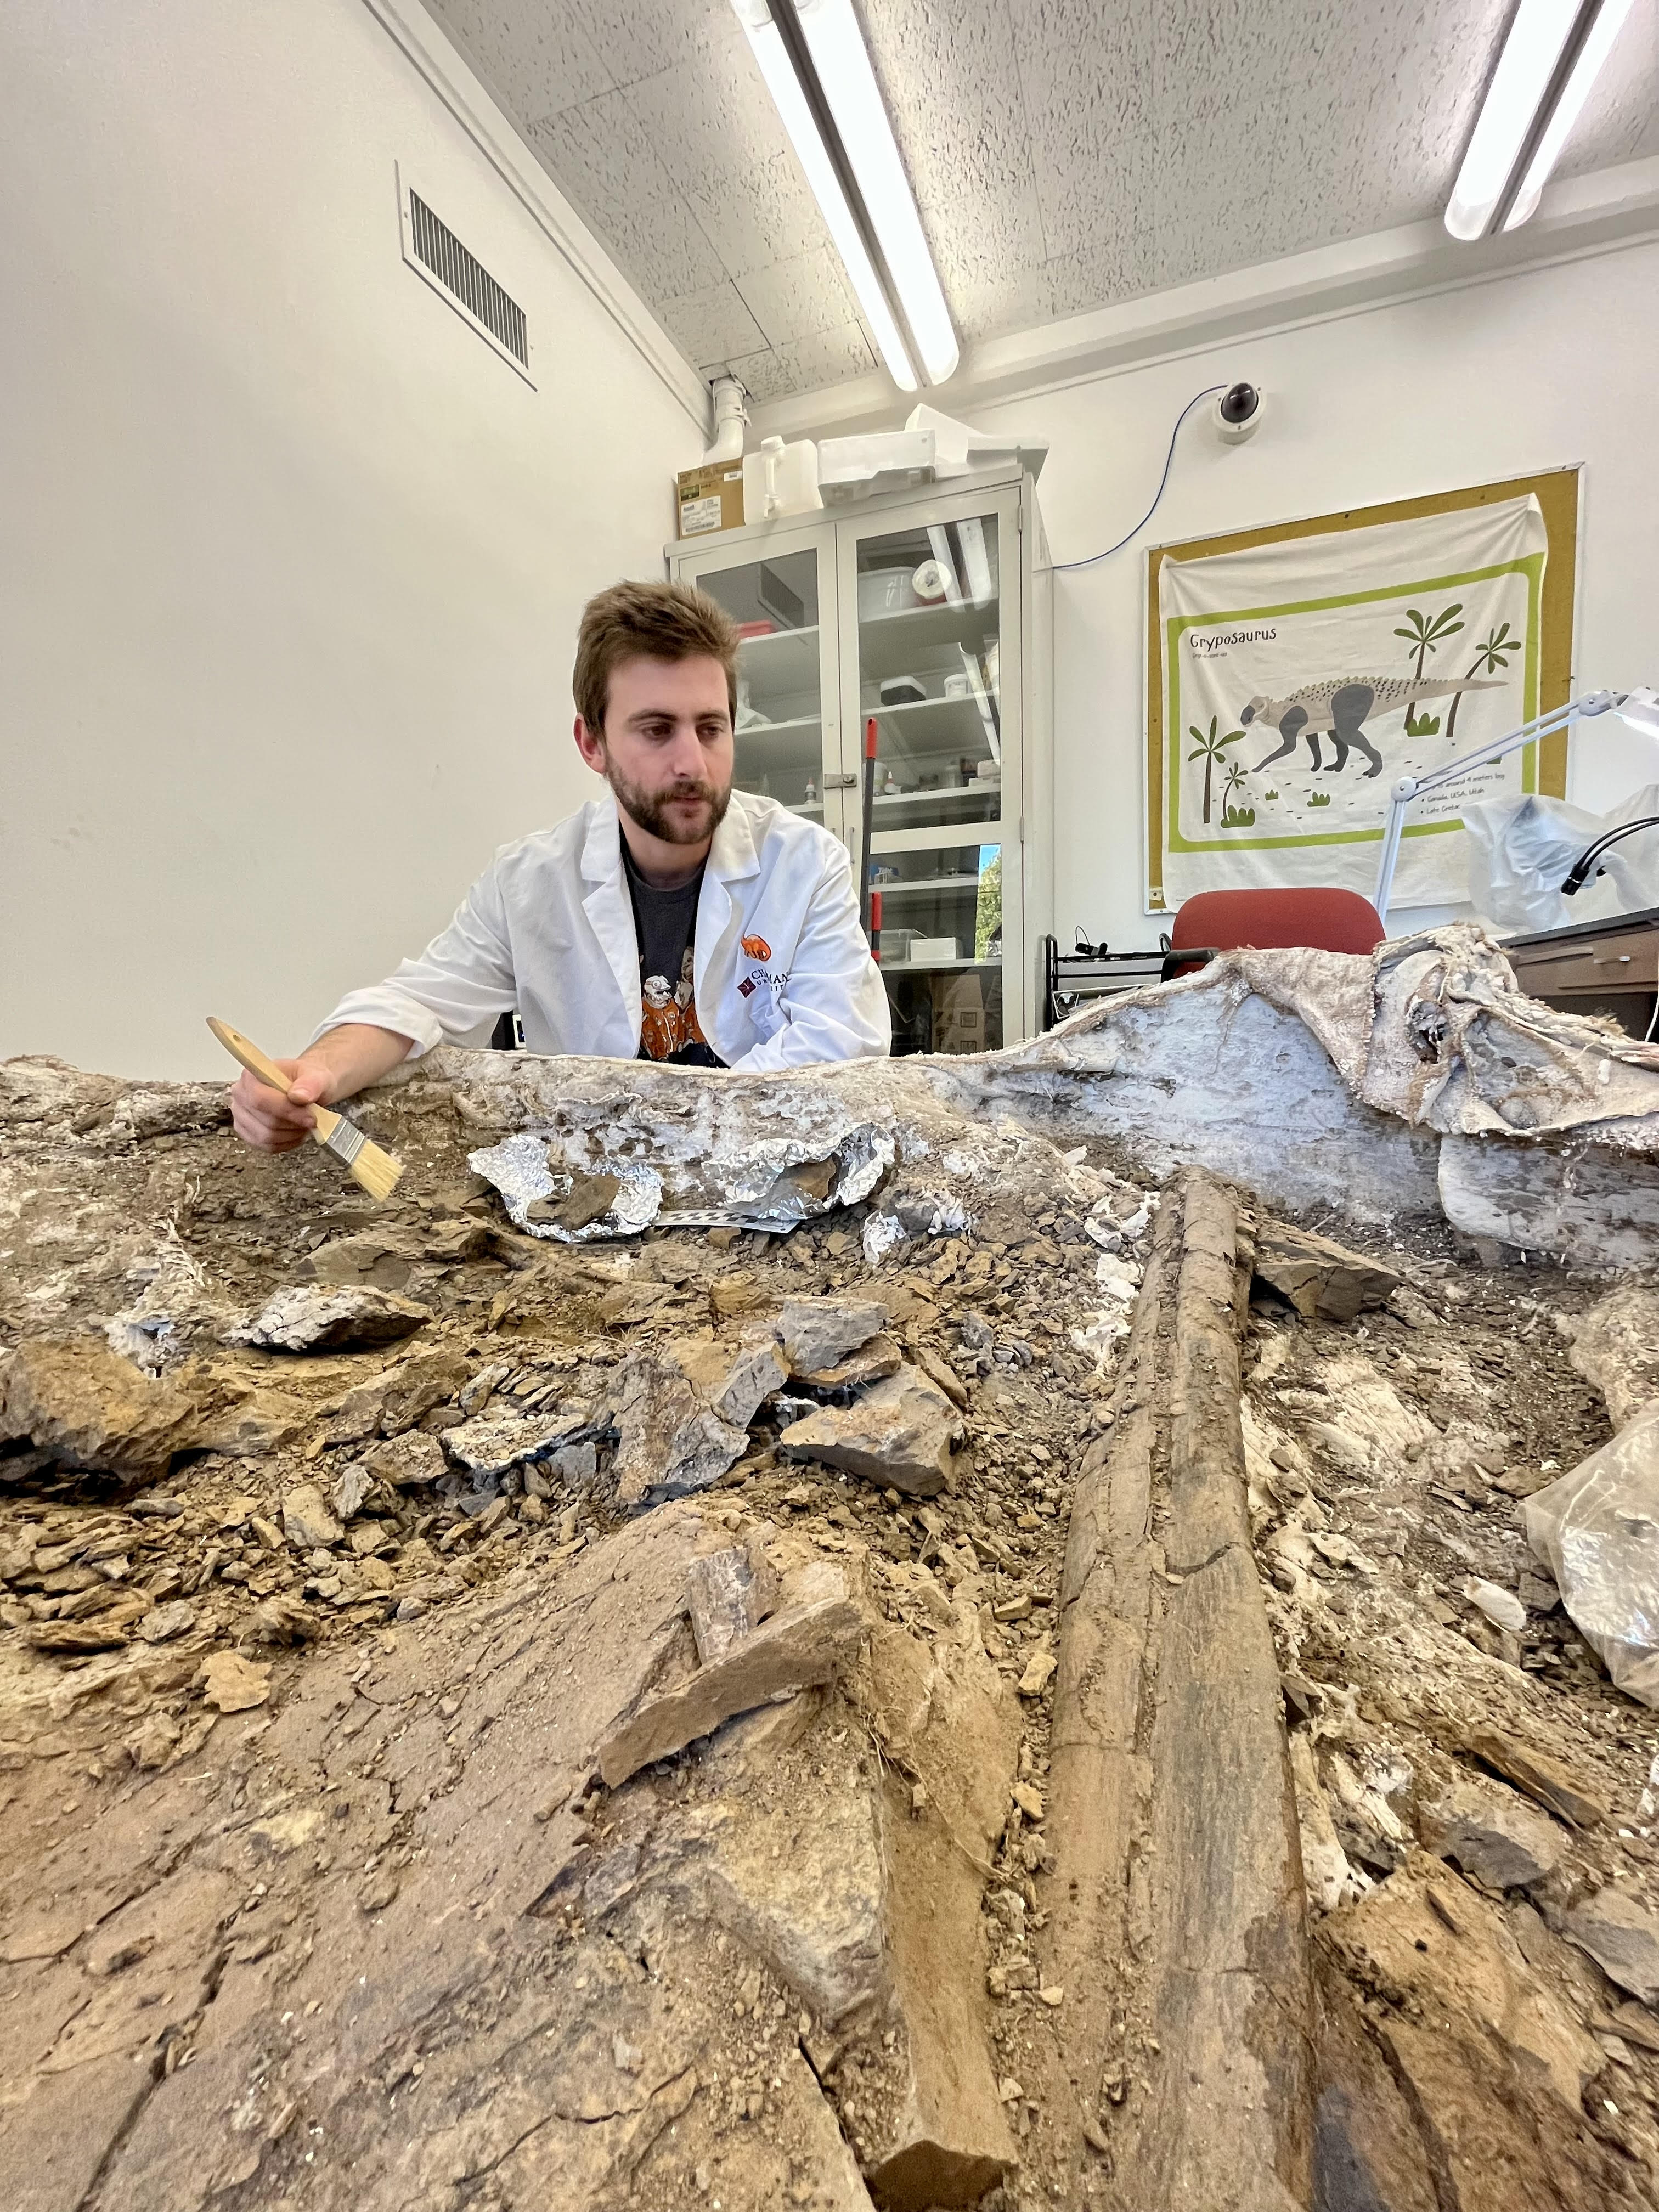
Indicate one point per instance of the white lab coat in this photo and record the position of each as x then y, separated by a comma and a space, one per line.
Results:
784, 976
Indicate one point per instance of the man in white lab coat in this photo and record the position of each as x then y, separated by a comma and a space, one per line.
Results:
671, 919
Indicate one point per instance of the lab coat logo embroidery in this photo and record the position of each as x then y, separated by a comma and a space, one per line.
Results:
757, 948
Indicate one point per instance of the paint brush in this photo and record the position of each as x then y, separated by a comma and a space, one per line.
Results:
377, 1171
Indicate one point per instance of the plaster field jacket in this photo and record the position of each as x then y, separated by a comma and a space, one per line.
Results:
784, 976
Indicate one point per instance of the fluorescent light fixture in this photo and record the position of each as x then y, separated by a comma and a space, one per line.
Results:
876, 228
1551, 56
843, 62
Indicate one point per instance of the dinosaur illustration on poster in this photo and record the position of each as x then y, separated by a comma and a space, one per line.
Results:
1338, 710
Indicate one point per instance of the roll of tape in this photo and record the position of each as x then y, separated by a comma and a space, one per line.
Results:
931, 581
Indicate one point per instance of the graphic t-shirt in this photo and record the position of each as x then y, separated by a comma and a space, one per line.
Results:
666, 923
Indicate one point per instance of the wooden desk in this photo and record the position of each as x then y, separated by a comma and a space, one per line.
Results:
1595, 967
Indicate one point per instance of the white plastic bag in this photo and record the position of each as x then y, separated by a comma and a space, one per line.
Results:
1597, 1530
1521, 850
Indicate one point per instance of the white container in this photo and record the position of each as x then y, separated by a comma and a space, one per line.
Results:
923, 949
780, 480
883, 460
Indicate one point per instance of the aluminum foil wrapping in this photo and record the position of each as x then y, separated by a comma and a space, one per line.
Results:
773, 1186
521, 1169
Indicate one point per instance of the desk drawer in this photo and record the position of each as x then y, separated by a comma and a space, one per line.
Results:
1610, 964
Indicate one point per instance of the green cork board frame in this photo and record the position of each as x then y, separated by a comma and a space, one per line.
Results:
1557, 491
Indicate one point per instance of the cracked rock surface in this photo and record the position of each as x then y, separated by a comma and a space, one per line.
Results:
496, 1766
454, 1754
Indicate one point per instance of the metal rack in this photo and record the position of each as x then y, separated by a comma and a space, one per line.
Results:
1070, 980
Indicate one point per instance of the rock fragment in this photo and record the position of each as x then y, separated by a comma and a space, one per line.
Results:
817, 1332
1493, 1835
1319, 1276
313, 1318
255, 1425
395, 1400
795, 1649
899, 1433
382, 1259
1543, 1779
672, 1438
306, 1521
350, 1488
489, 1444
82, 1406
726, 1598
1622, 1936
233, 1684
939, 1369
163, 1622
868, 1364
407, 1462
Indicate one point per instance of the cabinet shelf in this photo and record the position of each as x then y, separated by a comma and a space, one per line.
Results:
932, 967
781, 728
927, 883
940, 792
888, 644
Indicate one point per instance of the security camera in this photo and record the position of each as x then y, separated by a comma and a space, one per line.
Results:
1237, 412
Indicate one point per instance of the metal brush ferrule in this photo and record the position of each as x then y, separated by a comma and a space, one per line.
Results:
345, 1141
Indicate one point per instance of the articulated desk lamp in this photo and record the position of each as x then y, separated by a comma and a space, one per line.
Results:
1640, 709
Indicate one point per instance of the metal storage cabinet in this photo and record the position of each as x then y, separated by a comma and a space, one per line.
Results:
956, 678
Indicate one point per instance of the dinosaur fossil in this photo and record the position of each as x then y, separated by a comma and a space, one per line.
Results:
1339, 708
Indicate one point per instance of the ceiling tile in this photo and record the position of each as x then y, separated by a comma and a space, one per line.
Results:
1620, 121
637, 39
535, 60
595, 157
795, 298
806, 364
949, 74
714, 129
1087, 79
712, 325
1065, 155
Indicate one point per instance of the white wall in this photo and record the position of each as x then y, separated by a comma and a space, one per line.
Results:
1530, 372
290, 562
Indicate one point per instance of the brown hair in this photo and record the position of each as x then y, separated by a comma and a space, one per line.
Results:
653, 621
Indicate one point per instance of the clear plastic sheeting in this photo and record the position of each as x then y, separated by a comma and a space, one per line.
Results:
1521, 850
1597, 1530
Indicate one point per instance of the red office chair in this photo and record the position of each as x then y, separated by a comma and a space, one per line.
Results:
1331, 920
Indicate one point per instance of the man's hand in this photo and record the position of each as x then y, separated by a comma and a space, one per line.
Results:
272, 1122
338, 1065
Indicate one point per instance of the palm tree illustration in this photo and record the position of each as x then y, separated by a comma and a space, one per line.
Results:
1494, 654
1210, 749
1425, 634
1229, 783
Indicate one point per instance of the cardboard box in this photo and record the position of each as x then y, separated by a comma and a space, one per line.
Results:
958, 1013
708, 498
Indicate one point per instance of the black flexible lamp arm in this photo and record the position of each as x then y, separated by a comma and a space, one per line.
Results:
1579, 874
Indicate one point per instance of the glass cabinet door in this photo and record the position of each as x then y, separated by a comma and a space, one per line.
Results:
926, 657
941, 950
788, 732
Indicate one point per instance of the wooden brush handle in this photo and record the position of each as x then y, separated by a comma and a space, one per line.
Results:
258, 1063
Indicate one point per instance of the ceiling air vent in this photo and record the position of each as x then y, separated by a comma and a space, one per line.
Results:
433, 252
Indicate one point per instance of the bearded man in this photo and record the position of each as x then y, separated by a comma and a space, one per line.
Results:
734, 920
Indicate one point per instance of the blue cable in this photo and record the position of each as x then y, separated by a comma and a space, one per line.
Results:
1168, 458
